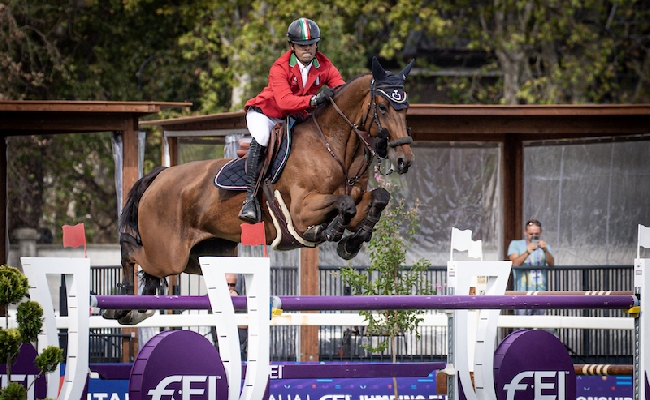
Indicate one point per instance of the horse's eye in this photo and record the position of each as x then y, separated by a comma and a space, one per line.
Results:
383, 108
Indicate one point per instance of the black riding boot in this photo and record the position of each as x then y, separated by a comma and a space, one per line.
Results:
250, 211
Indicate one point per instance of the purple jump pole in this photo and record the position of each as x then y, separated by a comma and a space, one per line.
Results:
318, 303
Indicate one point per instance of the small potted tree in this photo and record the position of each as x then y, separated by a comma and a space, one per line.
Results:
29, 318
388, 275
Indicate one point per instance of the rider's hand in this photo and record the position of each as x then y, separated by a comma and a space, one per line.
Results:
321, 97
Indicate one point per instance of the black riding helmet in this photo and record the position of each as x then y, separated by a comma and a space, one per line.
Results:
303, 31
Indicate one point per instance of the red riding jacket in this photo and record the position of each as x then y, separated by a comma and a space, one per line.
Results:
285, 95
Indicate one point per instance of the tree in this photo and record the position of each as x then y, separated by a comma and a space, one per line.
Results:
547, 51
241, 40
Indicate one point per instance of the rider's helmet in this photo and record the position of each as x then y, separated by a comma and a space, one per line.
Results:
303, 31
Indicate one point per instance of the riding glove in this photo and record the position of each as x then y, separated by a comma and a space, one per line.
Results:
321, 97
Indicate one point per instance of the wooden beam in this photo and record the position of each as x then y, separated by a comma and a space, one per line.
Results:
308, 287
512, 173
491, 128
4, 234
129, 177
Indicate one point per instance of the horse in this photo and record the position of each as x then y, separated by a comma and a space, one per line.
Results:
174, 215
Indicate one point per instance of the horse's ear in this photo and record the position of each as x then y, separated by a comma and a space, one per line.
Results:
378, 72
407, 69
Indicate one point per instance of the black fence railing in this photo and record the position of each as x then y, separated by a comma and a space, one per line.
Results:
349, 343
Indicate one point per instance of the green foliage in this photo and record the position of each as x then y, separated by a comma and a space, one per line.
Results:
387, 274
13, 285
13, 391
30, 320
49, 359
216, 54
551, 52
10, 341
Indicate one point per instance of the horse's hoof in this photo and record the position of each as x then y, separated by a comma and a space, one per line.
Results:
343, 253
114, 314
135, 317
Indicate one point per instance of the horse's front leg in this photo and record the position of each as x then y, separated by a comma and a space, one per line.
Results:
128, 245
375, 201
315, 214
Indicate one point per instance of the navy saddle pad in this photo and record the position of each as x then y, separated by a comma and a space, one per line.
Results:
232, 176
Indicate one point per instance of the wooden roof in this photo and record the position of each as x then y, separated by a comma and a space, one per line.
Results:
438, 122
62, 116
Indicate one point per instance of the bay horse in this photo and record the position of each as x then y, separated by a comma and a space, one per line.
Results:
175, 215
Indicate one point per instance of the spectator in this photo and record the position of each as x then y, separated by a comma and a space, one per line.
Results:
531, 251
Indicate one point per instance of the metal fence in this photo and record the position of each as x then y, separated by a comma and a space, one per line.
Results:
349, 343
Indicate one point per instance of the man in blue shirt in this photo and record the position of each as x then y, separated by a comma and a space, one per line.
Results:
531, 251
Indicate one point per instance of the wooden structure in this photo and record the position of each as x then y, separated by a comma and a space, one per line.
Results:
22, 118
509, 126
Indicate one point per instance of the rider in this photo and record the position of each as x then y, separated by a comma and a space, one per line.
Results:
294, 81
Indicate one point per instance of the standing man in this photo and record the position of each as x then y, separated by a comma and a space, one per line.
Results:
531, 251
293, 88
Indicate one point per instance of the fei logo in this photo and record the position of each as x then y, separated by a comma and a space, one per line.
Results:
178, 365
533, 365
186, 390
546, 385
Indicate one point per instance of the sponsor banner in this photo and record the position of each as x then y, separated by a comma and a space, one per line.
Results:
25, 372
617, 387
587, 388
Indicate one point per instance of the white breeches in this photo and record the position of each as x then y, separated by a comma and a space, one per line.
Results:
260, 126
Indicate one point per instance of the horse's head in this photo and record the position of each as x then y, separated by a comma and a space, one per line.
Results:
387, 108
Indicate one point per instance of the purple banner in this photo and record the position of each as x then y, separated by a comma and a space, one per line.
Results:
587, 388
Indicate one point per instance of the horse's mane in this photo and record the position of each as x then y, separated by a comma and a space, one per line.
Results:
340, 90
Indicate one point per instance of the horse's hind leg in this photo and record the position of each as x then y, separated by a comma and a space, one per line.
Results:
349, 247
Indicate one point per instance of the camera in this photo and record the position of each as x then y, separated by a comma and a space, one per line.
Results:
534, 239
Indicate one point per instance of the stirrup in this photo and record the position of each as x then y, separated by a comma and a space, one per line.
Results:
250, 213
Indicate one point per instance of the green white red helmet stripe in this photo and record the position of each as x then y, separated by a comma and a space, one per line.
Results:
306, 33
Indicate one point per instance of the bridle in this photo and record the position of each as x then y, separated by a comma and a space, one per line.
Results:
364, 136
372, 106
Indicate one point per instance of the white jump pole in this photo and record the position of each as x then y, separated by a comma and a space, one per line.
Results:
641, 329
257, 273
460, 274
77, 271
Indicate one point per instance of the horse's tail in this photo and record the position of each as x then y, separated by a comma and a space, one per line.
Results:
129, 218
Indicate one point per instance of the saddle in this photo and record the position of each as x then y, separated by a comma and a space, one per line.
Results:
232, 176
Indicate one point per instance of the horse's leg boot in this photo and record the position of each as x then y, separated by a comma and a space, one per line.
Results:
250, 211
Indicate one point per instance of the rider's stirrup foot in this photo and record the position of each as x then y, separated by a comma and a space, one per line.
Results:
250, 212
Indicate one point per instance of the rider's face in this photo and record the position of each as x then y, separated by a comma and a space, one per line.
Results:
304, 52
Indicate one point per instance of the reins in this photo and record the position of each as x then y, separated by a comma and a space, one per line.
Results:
349, 181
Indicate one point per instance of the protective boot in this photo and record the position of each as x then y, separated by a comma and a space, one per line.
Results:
250, 211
